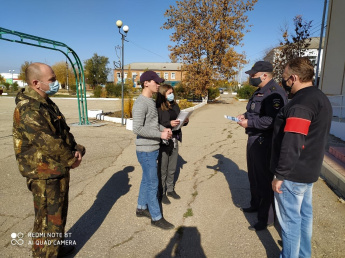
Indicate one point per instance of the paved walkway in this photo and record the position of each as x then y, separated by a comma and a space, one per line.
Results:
212, 183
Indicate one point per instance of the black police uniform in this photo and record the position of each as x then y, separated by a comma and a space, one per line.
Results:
262, 108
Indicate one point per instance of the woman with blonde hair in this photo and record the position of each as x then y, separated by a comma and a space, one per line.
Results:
168, 110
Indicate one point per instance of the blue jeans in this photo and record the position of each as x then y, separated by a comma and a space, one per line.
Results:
149, 184
295, 214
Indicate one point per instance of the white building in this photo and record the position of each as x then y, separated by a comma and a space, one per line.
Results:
9, 76
332, 79
311, 52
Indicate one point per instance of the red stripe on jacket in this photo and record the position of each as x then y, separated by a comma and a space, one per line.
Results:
297, 125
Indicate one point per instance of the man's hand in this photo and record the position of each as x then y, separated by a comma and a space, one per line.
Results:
174, 123
243, 123
241, 117
276, 184
78, 160
166, 134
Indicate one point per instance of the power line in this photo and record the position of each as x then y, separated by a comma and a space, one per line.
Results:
146, 49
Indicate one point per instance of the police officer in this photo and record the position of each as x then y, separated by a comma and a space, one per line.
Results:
262, 108
45, 151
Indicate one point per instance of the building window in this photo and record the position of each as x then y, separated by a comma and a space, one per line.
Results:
173, 76
125, 75
118, 77
166, 76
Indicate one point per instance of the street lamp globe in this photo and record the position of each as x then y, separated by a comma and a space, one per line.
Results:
119, 23
125, 28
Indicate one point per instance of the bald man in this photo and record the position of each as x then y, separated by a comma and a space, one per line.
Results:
45, 151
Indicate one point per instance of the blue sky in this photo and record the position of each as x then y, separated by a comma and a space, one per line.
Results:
88, 27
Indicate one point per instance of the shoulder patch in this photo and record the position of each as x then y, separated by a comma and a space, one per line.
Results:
16, 116
276, 103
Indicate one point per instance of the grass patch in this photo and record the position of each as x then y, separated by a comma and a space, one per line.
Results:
189, 213
195, 194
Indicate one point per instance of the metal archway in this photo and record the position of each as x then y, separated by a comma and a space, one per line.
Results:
56, 45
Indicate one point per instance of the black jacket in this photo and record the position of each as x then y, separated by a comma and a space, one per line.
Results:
262, 108
300, 134
164, 118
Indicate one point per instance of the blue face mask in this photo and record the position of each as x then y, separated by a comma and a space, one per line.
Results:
170, 97
53, 88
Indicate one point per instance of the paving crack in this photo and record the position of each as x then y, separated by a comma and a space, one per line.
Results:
127, 240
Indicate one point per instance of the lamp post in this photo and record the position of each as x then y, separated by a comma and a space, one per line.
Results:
11, 71
125, 29
67, 76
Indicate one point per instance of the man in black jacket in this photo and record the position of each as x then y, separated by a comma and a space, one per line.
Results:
262, 108
300, 135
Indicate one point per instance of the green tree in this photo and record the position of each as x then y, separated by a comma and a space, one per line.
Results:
22, 71
110, 89
246, 91
97, 91
15, 86
2, 79
291, 45
96, 71
181, 91
205, 34
118, 90
7, 85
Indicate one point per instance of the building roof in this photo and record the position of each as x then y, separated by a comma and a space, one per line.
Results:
154, 66
314, 43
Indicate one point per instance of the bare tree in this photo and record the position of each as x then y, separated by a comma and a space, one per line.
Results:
291, 46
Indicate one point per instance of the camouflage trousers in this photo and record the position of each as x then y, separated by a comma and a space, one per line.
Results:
51, 204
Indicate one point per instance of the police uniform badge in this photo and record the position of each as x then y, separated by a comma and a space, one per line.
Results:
276, 103
252, 106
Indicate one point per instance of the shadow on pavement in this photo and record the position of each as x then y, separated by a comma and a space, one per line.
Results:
185, 243
239, 187
180, 163
117, 186
179, 166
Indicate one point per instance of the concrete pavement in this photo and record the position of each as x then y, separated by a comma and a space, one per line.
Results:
212, 182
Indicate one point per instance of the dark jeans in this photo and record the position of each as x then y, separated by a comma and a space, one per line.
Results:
260, 177
167, 162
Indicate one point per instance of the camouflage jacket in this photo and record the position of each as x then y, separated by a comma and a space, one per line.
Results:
43, 145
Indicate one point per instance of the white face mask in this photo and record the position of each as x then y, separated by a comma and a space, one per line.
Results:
170, 97
53, 88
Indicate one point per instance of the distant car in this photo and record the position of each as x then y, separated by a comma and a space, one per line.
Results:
221, 91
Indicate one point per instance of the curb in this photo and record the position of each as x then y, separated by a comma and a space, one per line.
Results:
332, 177
97, 114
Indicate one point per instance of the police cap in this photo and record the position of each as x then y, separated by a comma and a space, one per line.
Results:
260, 66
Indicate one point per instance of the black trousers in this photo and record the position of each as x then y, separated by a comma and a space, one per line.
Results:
259, 175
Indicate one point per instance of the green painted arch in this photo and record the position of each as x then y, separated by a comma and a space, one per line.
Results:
69, 53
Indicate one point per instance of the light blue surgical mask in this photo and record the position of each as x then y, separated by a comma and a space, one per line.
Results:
170, 97
53, 88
